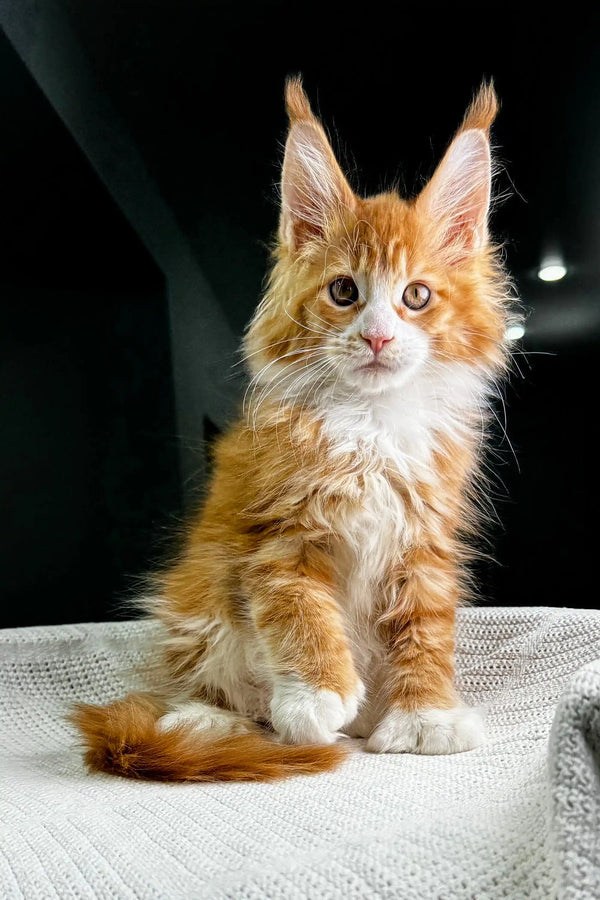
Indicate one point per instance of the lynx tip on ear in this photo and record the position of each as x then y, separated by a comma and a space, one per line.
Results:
296, 101
483, 109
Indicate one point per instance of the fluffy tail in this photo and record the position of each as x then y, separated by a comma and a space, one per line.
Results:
123, 739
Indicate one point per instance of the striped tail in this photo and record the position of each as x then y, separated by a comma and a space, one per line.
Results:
123, 739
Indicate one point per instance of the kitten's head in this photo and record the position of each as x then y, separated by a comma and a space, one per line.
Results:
370, 295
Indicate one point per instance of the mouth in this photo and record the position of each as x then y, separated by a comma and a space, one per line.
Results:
375, 366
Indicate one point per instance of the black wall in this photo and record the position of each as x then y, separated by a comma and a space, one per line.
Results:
89, 479
545, 542
88, 450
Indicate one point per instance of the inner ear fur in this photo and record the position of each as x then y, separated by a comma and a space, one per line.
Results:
313, 186
457, 198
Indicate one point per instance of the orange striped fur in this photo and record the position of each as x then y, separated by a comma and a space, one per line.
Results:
316, 589
122, 739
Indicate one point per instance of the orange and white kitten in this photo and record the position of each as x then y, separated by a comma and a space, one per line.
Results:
316, 591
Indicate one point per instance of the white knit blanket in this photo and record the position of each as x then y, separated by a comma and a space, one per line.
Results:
518, 818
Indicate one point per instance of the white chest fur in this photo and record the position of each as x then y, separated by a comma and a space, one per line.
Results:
372, 533
390, 435
402, 427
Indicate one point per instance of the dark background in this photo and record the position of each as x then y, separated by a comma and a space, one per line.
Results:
97, 456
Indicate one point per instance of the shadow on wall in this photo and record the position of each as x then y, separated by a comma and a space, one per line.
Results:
89, 454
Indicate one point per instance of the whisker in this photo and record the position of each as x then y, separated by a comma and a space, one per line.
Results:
320, 331
269, 347
334, 328
270, 388
258, 376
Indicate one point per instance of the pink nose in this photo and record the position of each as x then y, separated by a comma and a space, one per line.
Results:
376, 342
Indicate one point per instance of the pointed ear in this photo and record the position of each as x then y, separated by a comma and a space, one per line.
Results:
457, 198
313, 187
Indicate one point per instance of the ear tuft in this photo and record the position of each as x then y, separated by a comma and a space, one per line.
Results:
457, 198
483, 109
313, 188
296, 101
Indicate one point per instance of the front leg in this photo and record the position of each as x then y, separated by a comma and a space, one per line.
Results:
316, 690
424, 714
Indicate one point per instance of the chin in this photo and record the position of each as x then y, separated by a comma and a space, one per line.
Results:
384, 378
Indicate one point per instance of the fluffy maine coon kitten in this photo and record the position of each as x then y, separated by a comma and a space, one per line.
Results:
315, 594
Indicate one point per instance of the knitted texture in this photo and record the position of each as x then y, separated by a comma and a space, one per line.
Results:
517, 818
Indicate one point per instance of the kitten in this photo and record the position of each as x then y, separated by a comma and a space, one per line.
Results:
315, 594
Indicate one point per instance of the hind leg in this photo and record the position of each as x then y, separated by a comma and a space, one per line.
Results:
204, 717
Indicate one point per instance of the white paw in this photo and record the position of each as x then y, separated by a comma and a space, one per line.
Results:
202, 717
302, 714
429, 731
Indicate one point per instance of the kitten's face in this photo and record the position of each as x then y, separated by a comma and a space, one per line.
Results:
368, 294
386, 305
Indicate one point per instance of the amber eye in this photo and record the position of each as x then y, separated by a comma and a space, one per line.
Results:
416, 295
343, 291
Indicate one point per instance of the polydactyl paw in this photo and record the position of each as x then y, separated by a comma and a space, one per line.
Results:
303, 714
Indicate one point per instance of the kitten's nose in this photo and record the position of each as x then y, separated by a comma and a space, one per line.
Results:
376, 342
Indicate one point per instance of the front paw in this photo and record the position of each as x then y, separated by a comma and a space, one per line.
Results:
303, 714
429, 731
